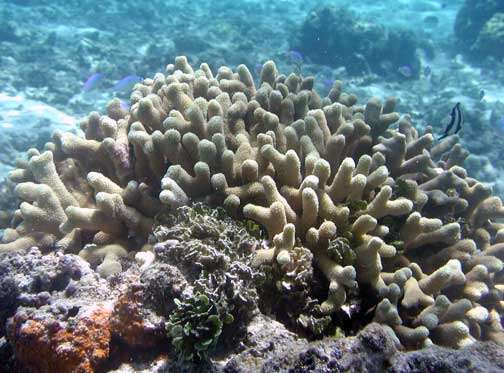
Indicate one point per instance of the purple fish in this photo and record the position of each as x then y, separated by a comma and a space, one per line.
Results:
93, 81
127, 83
124, 105
328, 83
258, 68
427, 71
500, 125
295, 56
405, 71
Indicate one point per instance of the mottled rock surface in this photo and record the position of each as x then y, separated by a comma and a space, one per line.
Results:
58, 314
271, 348
61, 316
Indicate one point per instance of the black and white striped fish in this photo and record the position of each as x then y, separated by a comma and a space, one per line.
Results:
456, 119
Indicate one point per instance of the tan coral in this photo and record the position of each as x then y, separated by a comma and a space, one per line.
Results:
308, 169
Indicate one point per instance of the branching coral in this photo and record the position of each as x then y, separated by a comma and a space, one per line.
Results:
419, 234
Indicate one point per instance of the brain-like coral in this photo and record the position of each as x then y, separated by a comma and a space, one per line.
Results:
383, 211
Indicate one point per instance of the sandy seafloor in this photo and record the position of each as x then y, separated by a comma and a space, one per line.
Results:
49, 48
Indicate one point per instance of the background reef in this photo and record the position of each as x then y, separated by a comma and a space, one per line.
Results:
224, 217
430, 53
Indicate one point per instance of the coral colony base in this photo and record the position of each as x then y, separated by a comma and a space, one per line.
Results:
362, 212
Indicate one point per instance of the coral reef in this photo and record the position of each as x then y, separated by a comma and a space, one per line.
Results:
59, 314
57, 304
7, 203
372, 350
57, 311
77, 348
195, 327
478, 27
213, 253
334, 36
268, 345
491, 37
354, 202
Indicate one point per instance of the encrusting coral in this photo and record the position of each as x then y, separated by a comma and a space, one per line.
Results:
383, 209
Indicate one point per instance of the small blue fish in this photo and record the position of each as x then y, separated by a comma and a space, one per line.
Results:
405, 71
427, 71
258, 68
500, 125
482, 94
126, 83
328, 83
93, 81
295, 56
124, 105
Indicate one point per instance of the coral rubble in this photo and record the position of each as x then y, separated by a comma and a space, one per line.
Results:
353, 200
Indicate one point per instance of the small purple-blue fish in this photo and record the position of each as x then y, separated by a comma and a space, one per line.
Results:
127, 83
427, 71
124, 105
500, 125
405, 71
92, 82
328, 83
258, 68
295, 56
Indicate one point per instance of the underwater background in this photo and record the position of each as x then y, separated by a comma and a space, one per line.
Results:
62, 59
429, 54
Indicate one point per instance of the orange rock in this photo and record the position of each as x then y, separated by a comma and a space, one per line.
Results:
128, 321
53, 346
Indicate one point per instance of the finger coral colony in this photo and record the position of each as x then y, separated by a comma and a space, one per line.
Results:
364, 218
